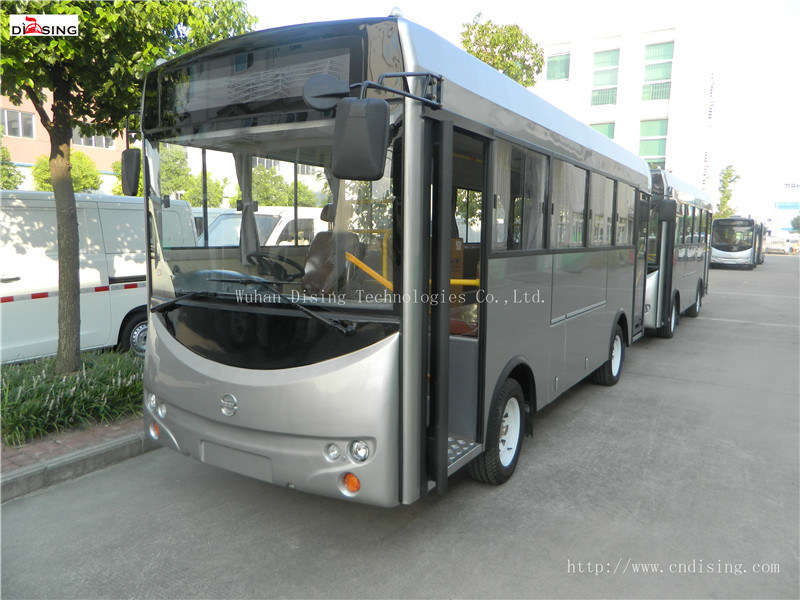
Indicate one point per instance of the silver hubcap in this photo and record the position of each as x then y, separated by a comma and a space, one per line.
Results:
616, 355
509, 431
139, 338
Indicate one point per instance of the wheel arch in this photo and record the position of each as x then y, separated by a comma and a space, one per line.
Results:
133, 314
519, 369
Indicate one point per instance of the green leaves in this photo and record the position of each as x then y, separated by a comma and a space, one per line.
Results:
504, 47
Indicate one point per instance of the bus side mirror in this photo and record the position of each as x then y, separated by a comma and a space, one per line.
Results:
360, 139
131, 166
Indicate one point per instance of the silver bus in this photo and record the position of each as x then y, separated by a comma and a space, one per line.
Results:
484, 252
677, 252
737, 241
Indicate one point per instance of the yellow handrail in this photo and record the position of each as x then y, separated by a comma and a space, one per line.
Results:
369, 271
388, 284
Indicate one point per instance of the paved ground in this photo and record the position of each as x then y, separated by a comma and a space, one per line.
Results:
681, 481
65, 443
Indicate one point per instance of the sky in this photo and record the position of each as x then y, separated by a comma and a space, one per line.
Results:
753, 48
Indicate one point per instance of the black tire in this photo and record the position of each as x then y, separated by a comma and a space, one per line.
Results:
133, 335
609, 372
503, 436
694, 309
667, 330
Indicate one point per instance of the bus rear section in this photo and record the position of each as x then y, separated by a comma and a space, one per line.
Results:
677, 252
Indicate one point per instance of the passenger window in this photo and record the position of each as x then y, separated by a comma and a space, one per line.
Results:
601, 207
528, 179
626, 206
568, 201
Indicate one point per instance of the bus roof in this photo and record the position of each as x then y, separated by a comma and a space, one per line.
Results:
675, 188
427, 51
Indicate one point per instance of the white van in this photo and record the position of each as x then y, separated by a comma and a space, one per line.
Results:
275, 225
112, 272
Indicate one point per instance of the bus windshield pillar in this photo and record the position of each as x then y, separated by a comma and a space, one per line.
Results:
440, 311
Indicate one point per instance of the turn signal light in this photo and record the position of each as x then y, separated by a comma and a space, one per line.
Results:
352, 483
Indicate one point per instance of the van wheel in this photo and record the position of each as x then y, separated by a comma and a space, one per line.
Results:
503, 436
608, 373
134, 335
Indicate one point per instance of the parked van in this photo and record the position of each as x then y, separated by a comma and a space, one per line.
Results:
275, 225
112, 271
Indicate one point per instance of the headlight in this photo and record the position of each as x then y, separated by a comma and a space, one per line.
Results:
359, 450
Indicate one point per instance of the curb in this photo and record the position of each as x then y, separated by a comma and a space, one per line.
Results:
63, 468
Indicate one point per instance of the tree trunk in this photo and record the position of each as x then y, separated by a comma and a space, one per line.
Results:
68, 358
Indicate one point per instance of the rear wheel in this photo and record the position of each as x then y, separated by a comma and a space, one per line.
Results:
694, 310
667, 330
608, 373
503, 436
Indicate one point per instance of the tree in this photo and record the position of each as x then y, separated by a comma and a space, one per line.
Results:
95, 80
504, 47
796, 223
215, 189
10, 176
727, 178
85, 176
271, 189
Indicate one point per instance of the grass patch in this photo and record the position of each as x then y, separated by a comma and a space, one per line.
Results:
35, 402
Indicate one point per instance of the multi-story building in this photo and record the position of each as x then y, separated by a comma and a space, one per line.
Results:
647, 90
27, 140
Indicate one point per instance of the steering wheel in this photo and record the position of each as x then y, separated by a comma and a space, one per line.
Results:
269, 263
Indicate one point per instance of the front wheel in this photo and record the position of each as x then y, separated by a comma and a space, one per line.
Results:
608, 373
503, 436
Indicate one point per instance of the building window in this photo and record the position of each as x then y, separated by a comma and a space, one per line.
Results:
653, 141
657, 71
606, 69
95, 141
607, 129
558, 67
17, 124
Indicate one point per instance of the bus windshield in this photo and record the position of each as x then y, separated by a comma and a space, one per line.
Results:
732, 236
313, 237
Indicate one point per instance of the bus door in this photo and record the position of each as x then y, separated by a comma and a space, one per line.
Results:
459, 188
640, 268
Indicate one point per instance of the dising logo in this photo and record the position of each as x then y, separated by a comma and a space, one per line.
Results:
47, 25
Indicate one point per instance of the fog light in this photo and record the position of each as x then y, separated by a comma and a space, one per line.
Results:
332, 452
151, 402
351, 483
359, 451
161, 410
154, 431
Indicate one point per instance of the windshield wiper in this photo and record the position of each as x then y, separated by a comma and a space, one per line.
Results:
173, 303
345, 327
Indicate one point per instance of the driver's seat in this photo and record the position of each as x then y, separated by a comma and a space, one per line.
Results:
326, 265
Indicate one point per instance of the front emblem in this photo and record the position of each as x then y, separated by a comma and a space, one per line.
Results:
228, 405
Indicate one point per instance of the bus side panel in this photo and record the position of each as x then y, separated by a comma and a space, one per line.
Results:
579, 296
517, 326
621, 288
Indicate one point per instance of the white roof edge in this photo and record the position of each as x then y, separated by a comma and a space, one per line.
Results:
680, 185
439, 56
